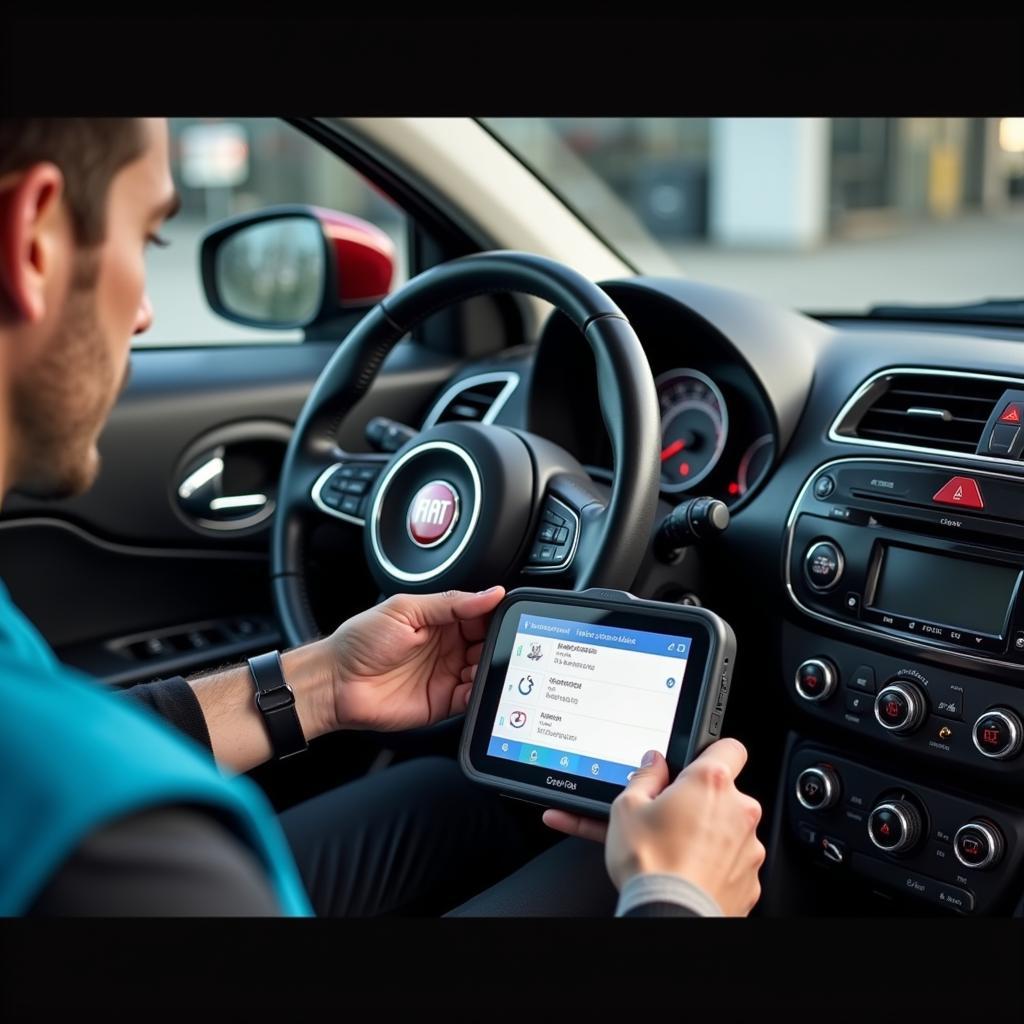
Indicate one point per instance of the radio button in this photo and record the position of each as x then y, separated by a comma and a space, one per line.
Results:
997, 734
900, 706
823, 565
961, 491
816, 679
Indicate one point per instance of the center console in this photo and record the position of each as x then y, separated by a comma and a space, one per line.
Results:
916, 571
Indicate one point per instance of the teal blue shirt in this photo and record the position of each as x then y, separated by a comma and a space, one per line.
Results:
74, 757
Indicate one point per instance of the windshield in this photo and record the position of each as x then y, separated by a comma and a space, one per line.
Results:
825, 215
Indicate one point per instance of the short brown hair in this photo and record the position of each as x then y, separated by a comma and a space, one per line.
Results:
88, 150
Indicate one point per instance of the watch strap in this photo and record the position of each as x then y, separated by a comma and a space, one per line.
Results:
276, 703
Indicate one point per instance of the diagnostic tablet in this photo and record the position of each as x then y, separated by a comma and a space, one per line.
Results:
573, 688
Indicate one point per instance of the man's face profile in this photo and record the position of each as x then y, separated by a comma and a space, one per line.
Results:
74, 361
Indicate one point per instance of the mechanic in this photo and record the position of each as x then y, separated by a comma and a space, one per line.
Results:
108, 809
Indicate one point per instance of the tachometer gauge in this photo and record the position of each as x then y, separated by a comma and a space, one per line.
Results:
756, 459
694, 427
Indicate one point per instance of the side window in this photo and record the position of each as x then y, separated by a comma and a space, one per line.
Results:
227, 166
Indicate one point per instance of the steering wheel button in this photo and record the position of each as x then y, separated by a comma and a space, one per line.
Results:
547, 553
350, 505
553, 517
561, 535
367, 472
345, 472
547, 532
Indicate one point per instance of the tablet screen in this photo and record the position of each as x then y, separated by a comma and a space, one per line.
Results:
586, 699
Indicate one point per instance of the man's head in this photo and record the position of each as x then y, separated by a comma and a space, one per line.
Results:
79, 201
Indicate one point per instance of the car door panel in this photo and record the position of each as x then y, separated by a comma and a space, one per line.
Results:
119, 561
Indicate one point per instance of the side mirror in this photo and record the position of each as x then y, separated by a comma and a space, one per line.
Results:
287, 267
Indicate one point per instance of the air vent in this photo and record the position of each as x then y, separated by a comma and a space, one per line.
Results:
929, 410
474, 399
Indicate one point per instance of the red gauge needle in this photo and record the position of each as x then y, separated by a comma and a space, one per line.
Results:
675, 446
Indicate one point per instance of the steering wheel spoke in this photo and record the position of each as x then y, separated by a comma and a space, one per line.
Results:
570, 514
342, 490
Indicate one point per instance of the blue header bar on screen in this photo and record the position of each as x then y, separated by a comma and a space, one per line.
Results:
640, 641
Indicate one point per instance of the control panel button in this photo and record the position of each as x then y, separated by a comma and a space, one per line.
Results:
978, 845
816, 679
863, 678
858, 703
900, 706
997, 734
1012, 413
823, 565
1003, 439
817, 788
962, 491
938, 893
824, 486
948, 702
894, 826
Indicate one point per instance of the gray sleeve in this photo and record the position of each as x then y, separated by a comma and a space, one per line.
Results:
665, 889
172, 861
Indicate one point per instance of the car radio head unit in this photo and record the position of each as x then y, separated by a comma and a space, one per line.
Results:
920, 553
573, 688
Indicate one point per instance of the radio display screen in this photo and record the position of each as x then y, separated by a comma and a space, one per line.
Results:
946, 591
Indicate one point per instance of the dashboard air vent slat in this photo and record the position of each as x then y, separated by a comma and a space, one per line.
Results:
923, 410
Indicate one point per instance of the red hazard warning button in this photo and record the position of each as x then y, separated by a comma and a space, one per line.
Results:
962, 491
1012, 413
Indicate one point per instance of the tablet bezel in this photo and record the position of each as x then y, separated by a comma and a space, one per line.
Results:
525, 779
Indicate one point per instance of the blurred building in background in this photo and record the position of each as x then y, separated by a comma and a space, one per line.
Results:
782, 182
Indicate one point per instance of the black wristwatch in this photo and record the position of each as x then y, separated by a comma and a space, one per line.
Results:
276, 701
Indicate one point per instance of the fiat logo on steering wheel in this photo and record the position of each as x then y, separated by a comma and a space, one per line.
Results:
433, 513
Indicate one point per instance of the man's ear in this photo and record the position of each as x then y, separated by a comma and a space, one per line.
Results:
32, 233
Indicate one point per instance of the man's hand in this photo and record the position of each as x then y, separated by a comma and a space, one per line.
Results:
701, 827
409, 661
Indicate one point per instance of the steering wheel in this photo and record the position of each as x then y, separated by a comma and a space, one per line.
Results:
467, 505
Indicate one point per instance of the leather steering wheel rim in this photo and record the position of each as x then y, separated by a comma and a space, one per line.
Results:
626, 390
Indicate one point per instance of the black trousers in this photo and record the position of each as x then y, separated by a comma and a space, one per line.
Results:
420, 839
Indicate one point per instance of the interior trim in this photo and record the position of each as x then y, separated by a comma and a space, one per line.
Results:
132, 550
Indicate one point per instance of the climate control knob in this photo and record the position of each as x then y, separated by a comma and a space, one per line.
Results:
900, 706
817, 788
997, 734
894, 826
978, 844
816, 679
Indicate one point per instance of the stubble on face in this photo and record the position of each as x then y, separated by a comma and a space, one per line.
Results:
62, 402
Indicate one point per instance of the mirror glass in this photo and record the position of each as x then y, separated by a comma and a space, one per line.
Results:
273, 272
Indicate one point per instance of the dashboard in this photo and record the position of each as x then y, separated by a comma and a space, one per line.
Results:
718, 438
872, 571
